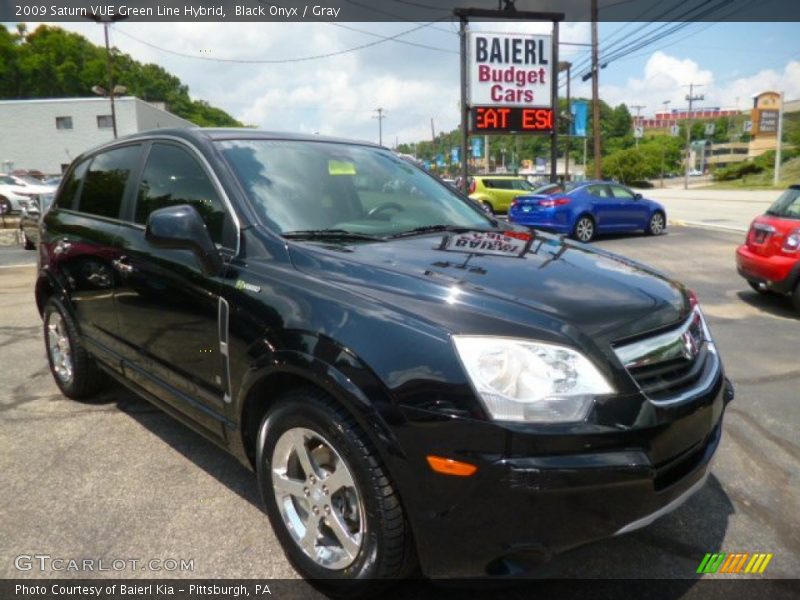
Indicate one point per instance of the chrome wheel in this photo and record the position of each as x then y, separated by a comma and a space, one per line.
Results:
584, 230
657, 224
317, 497
59, 348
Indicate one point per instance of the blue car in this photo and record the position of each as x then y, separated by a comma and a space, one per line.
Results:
587, 208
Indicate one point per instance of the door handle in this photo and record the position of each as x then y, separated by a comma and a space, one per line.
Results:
122, 266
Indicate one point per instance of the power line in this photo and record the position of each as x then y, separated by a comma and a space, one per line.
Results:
276, 61
655, 35
389, 39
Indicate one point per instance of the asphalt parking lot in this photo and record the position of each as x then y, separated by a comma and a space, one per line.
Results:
117, 478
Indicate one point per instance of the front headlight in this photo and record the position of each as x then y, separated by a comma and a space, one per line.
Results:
520, 380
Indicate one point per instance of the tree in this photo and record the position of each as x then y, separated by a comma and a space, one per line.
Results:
53, 63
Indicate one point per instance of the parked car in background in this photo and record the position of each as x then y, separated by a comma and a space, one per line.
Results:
30, 216
590, 207
16, 191
496, 192
770, 257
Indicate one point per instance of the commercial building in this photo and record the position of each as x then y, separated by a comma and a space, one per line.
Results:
47, 134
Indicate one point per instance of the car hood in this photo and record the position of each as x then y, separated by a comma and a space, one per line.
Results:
599, 294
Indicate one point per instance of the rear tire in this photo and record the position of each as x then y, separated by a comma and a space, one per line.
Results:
7, 203
487, 207
584, 229
74, 370
765, 291
350, 538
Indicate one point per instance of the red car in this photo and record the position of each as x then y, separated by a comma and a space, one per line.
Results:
770, 258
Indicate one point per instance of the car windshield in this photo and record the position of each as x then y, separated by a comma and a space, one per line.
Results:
787, 205
550, 188
300, 186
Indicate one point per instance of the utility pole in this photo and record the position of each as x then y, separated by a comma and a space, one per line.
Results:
778, 141
691, 97
663, 149
637, 119
462, 36
110, 80
595, 92
107, 21
567, 66
380, 116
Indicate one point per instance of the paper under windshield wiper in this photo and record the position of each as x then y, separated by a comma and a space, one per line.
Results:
330, 234
434, 228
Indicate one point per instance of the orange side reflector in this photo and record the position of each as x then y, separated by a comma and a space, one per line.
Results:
448, 466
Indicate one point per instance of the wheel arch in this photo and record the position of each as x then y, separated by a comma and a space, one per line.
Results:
264, 384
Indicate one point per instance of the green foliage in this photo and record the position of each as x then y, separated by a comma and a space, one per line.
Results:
654, 156
52, 63
737, 171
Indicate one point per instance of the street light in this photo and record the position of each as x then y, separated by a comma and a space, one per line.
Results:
106, 21
119, 90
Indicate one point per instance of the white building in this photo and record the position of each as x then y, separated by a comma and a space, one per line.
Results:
46, 135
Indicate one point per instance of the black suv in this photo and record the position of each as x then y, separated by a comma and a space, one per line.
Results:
400, 369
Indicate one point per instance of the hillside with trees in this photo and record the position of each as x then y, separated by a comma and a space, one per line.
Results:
50, 62
658, 151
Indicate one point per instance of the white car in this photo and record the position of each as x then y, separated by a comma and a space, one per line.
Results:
17, 192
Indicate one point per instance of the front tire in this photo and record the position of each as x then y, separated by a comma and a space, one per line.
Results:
74, 370
656, 225
796, 297
330, 502
584, 229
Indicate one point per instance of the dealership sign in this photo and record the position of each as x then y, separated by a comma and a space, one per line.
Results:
509, 86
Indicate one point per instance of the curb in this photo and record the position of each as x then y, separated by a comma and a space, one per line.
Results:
9, 237
712, 226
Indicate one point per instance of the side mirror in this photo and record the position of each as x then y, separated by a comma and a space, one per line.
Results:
181, 227
637, 196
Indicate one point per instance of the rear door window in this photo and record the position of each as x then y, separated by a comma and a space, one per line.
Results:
621, 193
601, 191
171, 177
498, 184
105, 181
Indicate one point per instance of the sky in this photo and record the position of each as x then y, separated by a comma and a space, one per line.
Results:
338, 95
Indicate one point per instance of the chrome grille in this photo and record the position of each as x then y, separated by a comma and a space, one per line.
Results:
673, 366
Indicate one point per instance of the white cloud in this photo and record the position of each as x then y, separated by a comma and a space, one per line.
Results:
667, 77
338, 95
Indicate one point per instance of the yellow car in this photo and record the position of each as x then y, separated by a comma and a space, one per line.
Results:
496, 192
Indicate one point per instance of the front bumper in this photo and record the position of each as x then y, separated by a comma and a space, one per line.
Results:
778, 273
517, 512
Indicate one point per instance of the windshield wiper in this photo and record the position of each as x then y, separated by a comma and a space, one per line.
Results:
435, 228
330, 234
